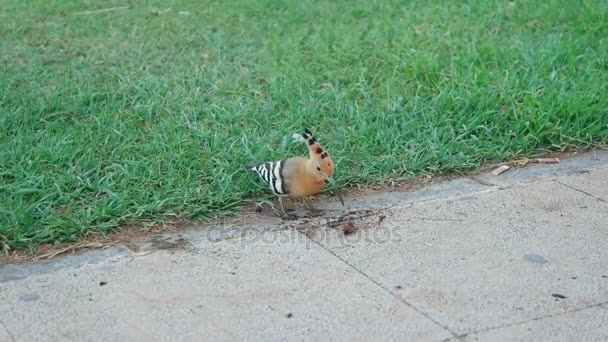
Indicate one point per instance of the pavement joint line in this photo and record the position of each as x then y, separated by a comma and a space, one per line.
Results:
557, 314
10, 335
427, 316
581, 191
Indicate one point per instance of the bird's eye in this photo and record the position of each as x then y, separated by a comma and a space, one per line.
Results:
318, 168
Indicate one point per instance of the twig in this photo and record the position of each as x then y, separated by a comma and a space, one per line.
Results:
525, 161
79, 245
103, 10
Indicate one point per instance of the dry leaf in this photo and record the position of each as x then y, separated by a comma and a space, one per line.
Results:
522, 162
547, 160
500, 170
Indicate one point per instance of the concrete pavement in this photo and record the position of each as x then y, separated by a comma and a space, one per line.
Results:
518, 257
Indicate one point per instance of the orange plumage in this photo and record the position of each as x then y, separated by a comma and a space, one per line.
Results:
298, 177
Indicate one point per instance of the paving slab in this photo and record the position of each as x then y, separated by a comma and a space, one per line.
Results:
593, 181
270, 286
486, 260
590, 324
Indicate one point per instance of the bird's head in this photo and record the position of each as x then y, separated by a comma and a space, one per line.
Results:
320, 162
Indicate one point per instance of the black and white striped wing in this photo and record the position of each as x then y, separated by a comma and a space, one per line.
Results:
272, 174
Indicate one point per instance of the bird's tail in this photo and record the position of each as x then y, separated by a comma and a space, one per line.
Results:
314, 148
250, 166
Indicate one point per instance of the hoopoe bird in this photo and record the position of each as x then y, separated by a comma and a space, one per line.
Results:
298, 177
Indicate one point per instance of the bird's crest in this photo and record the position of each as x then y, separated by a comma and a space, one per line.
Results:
314, 148
316, 151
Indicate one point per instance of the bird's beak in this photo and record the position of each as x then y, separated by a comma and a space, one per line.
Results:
331, 181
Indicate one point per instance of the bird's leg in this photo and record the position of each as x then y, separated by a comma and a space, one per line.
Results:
285, 215
314, 211
282, 207
274, 208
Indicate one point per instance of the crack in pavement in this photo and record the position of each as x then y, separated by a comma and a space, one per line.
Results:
581, 191
427, 316
558, 314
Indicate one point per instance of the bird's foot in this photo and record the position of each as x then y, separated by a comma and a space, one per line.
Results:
259, 207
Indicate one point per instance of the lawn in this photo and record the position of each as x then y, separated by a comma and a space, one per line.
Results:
146, 110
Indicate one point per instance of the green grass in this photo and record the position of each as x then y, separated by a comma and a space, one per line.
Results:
144, 113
